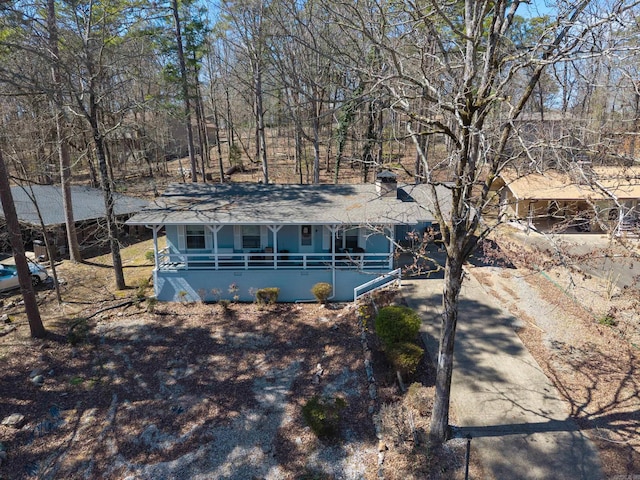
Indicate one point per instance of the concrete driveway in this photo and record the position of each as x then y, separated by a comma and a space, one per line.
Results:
519, 425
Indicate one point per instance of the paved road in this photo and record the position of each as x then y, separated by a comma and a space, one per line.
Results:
518, 422
621, 268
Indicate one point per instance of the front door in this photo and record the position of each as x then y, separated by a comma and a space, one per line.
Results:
306, 239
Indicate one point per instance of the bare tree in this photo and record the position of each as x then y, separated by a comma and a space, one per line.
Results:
17, 245
62, 146
249, 21
184, 82
455, 72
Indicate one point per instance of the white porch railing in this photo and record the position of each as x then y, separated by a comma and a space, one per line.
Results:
168, 261
377, 283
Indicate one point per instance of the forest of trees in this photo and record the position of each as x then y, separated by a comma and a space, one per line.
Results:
322, 84
442, 91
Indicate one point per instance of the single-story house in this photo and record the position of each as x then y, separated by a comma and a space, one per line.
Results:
88, 213
225, 241
587, 197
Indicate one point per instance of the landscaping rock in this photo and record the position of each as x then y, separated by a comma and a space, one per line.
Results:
15, 420
38, 380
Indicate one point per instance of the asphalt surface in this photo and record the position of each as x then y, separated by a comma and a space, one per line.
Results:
621, 268
518, 422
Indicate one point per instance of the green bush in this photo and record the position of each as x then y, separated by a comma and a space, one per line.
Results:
396, 324
151, 304
267, 295
78, 332
141, 291
608, 320
150, 256
235, 155
224, 303
322, 291
404, 356
323, 415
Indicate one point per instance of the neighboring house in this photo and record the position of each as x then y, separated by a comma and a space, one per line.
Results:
587, 198
227, 240
88, 213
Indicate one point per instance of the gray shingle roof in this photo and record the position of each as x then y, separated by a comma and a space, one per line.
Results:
88, 204
243, 203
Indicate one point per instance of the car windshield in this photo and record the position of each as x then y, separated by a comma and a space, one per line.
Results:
6, 272
33, 267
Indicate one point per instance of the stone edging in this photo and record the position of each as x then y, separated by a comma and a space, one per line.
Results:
372, 388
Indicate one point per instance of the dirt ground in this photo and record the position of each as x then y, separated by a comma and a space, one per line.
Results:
125, 388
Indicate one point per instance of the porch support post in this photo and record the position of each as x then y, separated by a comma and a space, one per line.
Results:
333, 229
392, 240
214, 230
275, 229
155, 229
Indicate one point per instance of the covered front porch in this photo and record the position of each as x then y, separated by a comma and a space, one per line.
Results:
274, 247
231, 262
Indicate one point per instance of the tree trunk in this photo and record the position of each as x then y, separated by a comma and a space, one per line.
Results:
261, 144
185, 92
105, 184
218, 146
231, 135
439, 429
298, 150
369, 142
63, 150
24, 275
344, 122
205, 149
316, 142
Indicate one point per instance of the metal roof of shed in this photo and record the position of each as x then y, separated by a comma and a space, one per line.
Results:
244, 203
88, 204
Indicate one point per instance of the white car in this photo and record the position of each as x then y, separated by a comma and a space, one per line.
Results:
9, 276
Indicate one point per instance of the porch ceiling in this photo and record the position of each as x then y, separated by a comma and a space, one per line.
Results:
233, 204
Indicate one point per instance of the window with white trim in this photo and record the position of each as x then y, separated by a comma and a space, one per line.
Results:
195, 237
251, 236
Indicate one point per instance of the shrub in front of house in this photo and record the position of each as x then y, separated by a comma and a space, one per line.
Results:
404, 356
267, 295
322, 291
396, 324
323, 415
